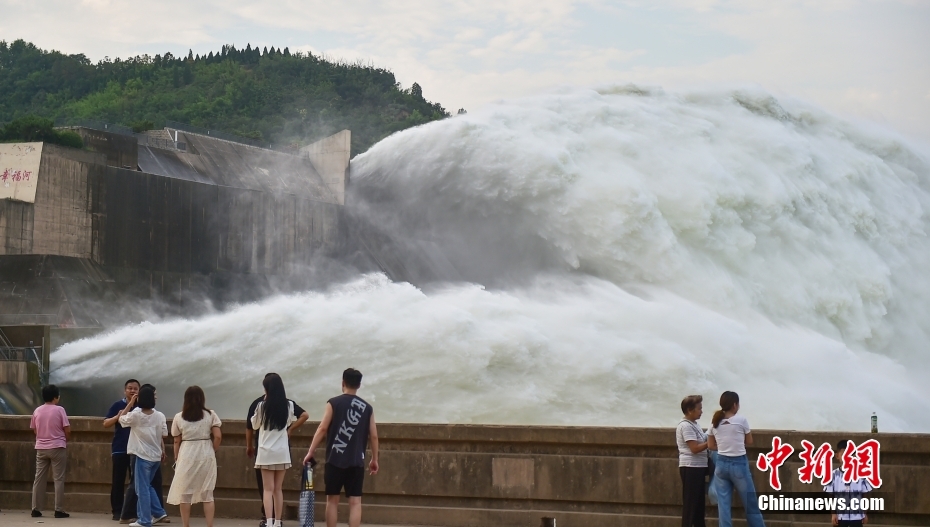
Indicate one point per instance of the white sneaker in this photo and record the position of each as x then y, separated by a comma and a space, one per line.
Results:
136, 524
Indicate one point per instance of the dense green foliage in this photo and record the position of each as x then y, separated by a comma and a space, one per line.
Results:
32, 128
271, 95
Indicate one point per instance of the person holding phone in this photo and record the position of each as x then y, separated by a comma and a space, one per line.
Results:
148, 428
119, 457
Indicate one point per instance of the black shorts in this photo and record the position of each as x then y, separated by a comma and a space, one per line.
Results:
336, 478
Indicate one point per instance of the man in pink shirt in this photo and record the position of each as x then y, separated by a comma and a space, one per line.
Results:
52, 429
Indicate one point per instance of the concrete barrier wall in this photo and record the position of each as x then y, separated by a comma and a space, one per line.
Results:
471, 475
130, 219
59, 222
165, 225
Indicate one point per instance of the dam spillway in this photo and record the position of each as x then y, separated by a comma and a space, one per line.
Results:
172, 223
587, 257
214, 213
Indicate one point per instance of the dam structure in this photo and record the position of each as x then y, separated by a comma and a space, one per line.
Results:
167, 222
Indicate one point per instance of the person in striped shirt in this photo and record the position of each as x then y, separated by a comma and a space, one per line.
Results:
848, 491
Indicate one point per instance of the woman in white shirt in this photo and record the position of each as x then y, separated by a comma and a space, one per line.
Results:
148, 427
729, 436
692, 461
272, 418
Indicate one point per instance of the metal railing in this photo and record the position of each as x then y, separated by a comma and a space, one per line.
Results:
21, 354
184, 127
142, 138
164, 144
100, 125
31, 353
156, 142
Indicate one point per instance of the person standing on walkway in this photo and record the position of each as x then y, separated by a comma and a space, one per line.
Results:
251, 441
131, 500
729, 436
119, 455
197, 436
273, 416
692, 461
348, 426
148, 428
53, 431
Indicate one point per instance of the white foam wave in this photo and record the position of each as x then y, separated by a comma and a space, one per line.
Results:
637, 246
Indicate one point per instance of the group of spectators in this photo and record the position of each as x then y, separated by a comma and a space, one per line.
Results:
720, 453
138, 449
348, 429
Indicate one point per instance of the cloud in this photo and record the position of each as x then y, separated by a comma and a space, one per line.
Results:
861, 58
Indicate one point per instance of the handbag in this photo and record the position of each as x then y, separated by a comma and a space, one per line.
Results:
711, 467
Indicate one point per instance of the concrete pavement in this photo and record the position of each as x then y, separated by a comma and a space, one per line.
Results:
19, 518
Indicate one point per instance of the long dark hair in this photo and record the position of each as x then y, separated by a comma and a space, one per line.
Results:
194, 404
275, 409
727, 401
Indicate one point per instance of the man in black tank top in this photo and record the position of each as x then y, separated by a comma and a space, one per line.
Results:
348, 427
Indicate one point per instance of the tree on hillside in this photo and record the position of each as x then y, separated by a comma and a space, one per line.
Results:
283, 97
31, 128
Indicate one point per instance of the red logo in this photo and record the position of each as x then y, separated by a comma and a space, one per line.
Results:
858, 462
862, 463
774, 459
816, 464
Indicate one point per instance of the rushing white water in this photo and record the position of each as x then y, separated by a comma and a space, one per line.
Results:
634, 247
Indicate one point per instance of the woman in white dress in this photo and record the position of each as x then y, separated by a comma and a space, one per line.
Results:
272, 418
197, 436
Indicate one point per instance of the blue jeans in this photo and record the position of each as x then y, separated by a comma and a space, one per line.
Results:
733, 473
148, 506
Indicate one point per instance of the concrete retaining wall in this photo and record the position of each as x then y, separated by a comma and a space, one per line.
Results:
59, 222
472, 475
153, 237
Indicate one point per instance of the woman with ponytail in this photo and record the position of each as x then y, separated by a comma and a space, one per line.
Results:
729, 435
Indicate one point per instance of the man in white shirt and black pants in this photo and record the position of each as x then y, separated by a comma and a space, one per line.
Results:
847, 491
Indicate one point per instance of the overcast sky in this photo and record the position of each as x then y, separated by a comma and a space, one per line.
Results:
868, 59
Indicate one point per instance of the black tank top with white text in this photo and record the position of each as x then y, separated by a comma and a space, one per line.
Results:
347, 437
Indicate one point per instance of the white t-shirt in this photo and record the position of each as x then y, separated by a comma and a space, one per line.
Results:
731, 436
273, 447
854, 489
146, 433
690, 431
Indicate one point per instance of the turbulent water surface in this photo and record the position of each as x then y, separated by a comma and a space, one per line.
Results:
600, 255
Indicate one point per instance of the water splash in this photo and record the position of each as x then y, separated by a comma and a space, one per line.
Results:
634, 246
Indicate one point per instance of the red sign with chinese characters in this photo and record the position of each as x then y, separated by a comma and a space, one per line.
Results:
858, 462
779, 454
19, 170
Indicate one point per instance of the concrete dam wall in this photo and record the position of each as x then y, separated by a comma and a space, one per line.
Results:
166, 223
480, 475
218, 220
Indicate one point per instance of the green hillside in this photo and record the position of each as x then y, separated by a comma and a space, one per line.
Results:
272, 95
